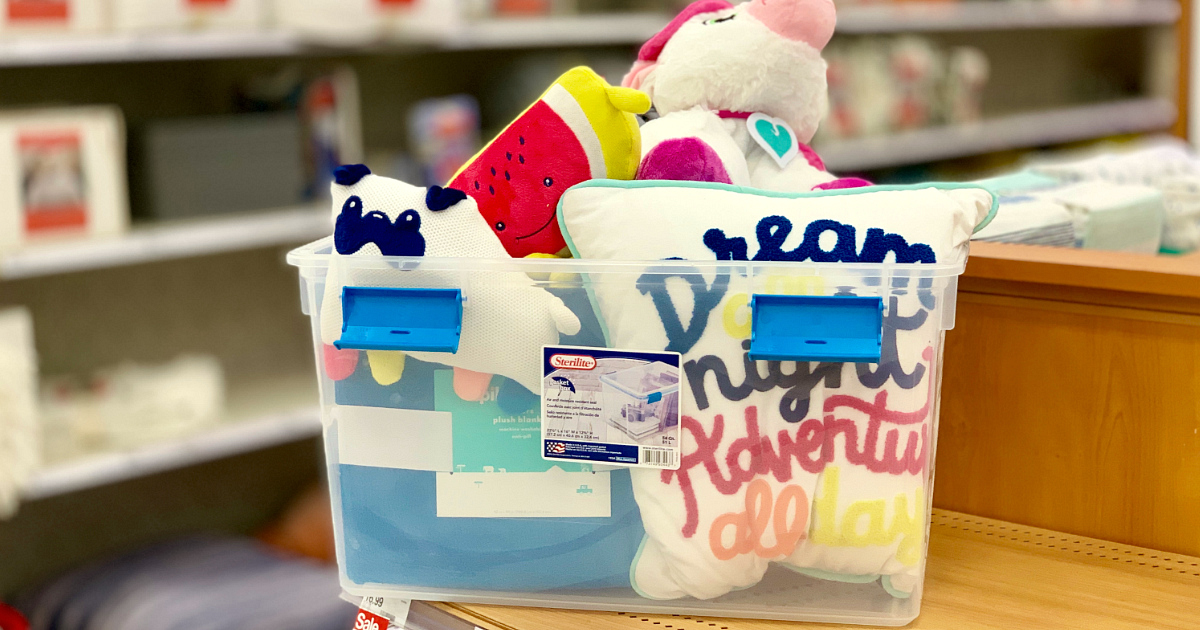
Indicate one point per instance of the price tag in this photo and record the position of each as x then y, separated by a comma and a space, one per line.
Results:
378, 613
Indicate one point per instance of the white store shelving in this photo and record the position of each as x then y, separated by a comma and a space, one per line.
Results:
985, 15
228, 440
1034, 129
177, 239
259, 415
581, 30
50, 50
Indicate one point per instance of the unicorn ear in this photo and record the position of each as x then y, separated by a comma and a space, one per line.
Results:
438, 198
350, 174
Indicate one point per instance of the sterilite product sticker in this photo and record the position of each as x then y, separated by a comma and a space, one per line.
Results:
613, 407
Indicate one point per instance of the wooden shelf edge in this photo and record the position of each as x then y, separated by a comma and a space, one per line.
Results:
1168, 276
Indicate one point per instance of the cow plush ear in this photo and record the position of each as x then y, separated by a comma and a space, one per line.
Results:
438, 198
350, 174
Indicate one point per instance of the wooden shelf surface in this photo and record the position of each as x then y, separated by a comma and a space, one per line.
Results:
981, 574
1177, 276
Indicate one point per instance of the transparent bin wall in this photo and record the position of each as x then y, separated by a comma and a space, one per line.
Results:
857, 440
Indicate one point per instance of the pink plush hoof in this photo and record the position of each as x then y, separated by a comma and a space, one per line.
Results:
684, 160
339, 364
470, 385
843, 182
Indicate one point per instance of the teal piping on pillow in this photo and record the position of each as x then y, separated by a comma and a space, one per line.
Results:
886, 582
658, 183
633, 565
830, 576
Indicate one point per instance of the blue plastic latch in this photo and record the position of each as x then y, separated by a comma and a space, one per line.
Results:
654, 397
380, 318
816, 328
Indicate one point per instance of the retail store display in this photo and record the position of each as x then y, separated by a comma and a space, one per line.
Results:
130, 405
20, 435
1168, 166
327, 108
34, 17
216, 165
739, 91
581, 128
444, 133
62, 175
356, 21
889, 84
158, 16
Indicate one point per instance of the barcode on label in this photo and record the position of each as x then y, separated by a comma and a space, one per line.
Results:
661, 457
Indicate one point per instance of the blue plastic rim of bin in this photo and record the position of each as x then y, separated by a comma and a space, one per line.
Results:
382, 318
816, 328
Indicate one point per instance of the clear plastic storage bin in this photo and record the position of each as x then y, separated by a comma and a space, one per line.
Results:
805, 484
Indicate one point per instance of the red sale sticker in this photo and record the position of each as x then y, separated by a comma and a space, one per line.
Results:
369, 621
377, 613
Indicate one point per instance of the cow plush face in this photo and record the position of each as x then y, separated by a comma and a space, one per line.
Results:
760, 56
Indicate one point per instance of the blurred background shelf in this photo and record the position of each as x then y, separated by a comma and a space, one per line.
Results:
177, 239
979, 15
260, 415
577, 30
1029, 130
67, 50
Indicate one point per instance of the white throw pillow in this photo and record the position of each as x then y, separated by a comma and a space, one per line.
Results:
765, 477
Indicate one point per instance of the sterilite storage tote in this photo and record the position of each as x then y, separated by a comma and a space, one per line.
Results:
796, 484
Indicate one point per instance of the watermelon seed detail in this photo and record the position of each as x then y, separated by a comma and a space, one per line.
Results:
507, 176
492, 189
493, 171
477, 185
508, 155
521, 139
521, 159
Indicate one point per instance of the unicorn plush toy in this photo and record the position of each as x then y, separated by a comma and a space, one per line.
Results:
739, 91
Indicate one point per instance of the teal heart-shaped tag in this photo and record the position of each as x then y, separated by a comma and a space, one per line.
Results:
774, 136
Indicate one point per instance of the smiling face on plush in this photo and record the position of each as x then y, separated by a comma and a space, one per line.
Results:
760, 56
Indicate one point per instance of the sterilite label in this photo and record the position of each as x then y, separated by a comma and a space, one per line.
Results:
614, 407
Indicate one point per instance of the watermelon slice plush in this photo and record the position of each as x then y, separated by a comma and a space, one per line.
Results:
582, 128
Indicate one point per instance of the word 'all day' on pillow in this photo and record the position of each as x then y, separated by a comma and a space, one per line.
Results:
819, 467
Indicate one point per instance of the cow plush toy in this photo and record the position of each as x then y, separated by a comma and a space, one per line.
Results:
739, 90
